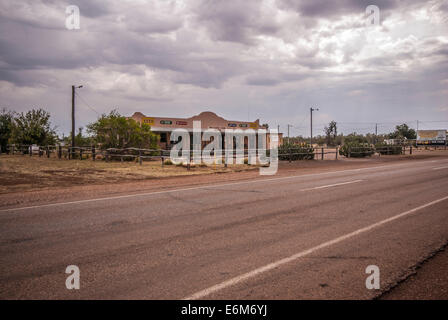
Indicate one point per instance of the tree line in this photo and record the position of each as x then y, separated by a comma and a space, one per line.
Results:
332, 138
108, 131
114, 130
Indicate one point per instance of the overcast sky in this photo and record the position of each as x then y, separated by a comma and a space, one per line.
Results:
243, 60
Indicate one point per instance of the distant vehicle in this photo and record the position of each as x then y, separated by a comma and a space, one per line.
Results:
35, 149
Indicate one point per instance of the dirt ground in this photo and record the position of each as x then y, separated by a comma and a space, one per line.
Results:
429, 282
24, 173
32, 181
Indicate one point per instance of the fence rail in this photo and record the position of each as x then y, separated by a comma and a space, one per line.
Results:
138, 154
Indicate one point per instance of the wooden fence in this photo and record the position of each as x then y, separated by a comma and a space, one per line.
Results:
137, 154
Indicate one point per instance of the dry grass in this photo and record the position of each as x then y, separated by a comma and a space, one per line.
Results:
23, 173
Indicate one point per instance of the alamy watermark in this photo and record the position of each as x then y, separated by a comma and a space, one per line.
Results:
72, 19
373, 280
372, 15
72, 281
238, 144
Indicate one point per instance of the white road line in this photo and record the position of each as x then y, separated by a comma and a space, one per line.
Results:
439, 168
273, 265
203, 187
332, 185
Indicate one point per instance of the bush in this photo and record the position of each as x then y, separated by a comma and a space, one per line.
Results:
168, 162
121, 154
385, 149
295, 152
356, 150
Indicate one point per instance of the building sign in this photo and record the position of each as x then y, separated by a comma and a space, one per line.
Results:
148, 120
181, 123
431, 137
243, 125
166, 122
253, 125
232, 124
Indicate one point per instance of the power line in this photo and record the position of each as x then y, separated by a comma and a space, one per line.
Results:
91, 108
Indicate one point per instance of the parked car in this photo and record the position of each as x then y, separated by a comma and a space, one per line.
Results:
35, 149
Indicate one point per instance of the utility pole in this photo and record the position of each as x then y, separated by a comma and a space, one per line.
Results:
288, 131
73, 114
311, 137
376, 132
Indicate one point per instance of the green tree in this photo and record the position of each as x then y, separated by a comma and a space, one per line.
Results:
289, 151
403, 131
80, 139
355, 138
6, 123
33, 127
331, 133
116, 131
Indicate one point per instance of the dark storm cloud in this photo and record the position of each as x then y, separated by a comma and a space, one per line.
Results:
327, 9
263, 80
131, 40
174, 54
234, 20
90, 8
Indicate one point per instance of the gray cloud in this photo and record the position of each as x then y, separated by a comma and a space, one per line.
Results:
235, 21
269, 56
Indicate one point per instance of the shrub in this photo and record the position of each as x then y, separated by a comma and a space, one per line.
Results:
356, 150
121, 154
168, 162
295, 152
385, 149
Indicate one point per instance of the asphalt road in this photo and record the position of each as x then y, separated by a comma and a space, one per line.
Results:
281, 237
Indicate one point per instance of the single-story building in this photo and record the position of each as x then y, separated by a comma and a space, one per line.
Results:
163, 126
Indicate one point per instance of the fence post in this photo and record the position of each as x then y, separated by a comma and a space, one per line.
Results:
290, 155
107, 155
80, 153
140, 157
349, 151
93, 153
48, 152
59, 152
322, 153
30, 148
337, 150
